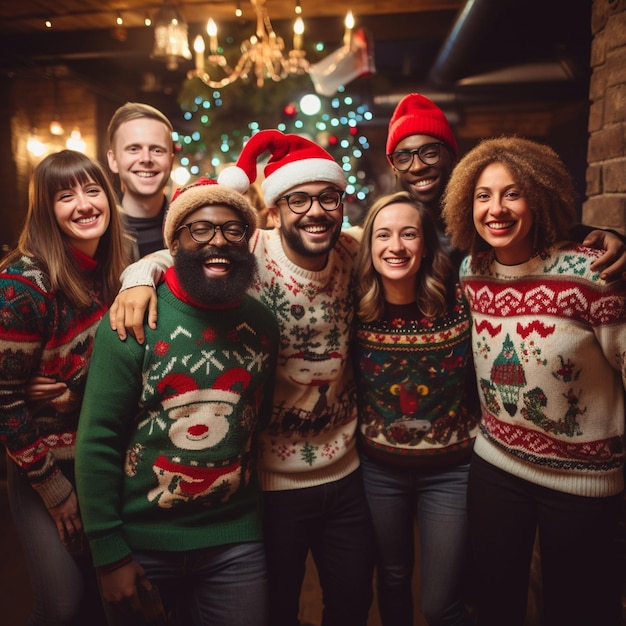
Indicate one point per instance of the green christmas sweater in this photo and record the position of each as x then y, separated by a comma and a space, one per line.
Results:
165, 455
415, 383
549, 345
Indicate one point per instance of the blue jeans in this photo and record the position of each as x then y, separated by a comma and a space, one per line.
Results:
578, 543
218, 586
64, 587
332, 521
437, 498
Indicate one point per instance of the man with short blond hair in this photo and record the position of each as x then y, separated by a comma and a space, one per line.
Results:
141, 153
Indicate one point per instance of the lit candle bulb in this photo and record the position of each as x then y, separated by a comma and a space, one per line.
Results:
349, 22
198, 46
298, 29
211, 29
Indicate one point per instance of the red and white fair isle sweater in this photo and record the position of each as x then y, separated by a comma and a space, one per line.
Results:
549, 344
43, 334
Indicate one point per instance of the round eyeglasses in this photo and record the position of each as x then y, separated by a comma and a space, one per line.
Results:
300, 202
428, 154
202, 231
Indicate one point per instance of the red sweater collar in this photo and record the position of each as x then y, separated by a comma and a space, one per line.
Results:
171, 279
85, 262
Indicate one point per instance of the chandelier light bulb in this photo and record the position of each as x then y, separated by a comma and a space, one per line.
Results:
298, 30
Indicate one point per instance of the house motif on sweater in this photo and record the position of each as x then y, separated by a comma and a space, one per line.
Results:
549, 343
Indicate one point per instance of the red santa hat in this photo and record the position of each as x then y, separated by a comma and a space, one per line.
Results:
417, 115
294, 160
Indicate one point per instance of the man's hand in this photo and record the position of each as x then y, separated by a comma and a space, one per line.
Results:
612, 264
121, 588
128, 311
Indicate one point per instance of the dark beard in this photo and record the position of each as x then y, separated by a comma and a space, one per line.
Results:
297, 244
189, 265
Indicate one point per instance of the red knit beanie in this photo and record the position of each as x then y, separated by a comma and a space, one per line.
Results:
417, 115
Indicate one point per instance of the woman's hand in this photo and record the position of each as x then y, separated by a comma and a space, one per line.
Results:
67, 520
40, 390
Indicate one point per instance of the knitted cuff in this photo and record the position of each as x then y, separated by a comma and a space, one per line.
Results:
54, 490
111, 567
147, 271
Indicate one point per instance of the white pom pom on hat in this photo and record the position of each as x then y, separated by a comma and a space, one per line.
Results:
294, 160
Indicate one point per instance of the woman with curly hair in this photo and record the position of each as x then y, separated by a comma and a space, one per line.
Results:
54, 289
549, 339
417, 419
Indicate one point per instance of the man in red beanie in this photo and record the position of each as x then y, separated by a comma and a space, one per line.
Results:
422, 151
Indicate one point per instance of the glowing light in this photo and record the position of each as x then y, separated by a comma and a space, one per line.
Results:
181, 176
76, 142
35, 146
310, 104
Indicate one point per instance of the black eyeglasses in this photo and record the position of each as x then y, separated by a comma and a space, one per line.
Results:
428, 154
300, 202
202, 231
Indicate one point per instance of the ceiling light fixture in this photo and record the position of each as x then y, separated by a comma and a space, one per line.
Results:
170, 37
262, 55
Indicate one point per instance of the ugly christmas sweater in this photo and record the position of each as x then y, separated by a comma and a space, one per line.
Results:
43, 334
312, 434
310, 439
549, 344
416, 392
165, 449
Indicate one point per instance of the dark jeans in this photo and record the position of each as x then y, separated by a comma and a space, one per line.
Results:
577, 542
437, 499
332, 521
221, 585
64, 587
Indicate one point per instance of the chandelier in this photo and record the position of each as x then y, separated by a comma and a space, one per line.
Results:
170, 36
262, 55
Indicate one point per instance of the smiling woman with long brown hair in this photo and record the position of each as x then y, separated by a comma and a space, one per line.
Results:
54, 289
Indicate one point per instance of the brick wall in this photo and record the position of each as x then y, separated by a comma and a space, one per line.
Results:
606, 151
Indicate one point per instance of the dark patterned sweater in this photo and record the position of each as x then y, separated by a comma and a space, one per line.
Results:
42, 334
549, 343
415, 387
165, 450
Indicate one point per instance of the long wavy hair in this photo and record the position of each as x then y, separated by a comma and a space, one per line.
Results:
434, 280
42, 237
541, 177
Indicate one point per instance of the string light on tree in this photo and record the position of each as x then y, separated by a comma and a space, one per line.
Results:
222, 120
